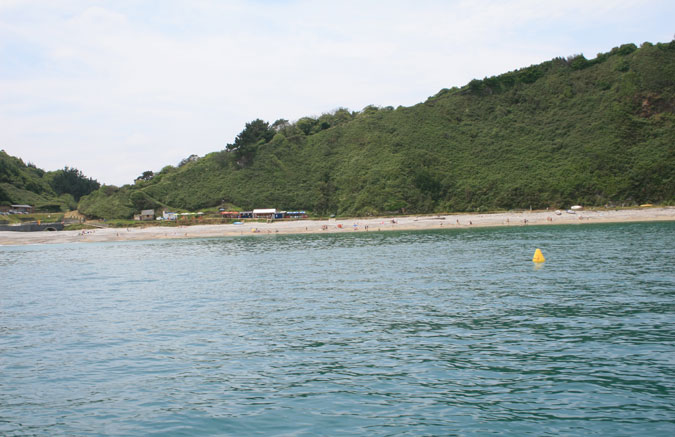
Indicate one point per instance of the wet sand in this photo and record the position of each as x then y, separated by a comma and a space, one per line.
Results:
379, 224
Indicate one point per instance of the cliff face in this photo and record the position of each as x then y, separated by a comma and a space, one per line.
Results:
563, 132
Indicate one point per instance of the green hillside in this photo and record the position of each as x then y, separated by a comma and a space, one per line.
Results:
52, 191
567, 131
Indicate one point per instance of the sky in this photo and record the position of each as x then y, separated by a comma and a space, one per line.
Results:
117, 87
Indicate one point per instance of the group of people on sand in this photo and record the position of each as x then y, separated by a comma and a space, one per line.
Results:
355, 226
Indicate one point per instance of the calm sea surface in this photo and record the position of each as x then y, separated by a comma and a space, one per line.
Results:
443, 332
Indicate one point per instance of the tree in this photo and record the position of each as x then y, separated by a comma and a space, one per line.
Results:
253, 132
306, 125
246, 143
282, 123
191, 158
72, 181
476, 86
4, 197
142, 201
146, 176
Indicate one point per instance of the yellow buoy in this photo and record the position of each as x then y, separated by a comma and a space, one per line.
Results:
538, 256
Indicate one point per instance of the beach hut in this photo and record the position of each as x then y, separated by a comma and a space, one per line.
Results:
264, 213
296, 214
148, 214
22, 209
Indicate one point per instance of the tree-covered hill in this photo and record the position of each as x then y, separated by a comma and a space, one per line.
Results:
58, 190
567, 131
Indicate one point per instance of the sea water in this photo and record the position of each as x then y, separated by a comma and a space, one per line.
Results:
448, 332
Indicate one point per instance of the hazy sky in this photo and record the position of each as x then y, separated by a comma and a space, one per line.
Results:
117, 87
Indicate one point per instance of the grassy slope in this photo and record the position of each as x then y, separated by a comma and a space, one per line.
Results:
24, 184
560, 133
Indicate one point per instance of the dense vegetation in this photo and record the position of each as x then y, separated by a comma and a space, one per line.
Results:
58, 190
567, 131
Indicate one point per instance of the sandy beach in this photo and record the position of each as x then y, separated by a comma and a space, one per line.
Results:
379, 224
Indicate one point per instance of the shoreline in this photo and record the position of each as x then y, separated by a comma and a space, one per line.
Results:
332, 226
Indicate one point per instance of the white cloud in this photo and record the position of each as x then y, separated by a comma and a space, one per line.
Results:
119, 87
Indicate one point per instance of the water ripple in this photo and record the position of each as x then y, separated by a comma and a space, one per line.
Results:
443, 332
